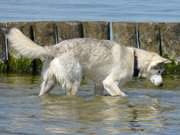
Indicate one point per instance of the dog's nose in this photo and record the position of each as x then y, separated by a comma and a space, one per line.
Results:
161, 84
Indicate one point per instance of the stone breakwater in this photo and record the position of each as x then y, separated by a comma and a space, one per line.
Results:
163, 38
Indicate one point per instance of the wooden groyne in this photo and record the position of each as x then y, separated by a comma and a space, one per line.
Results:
163, 38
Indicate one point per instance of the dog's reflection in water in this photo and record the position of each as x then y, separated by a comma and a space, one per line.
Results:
102, 114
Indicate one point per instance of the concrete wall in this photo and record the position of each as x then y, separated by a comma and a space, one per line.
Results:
163, 38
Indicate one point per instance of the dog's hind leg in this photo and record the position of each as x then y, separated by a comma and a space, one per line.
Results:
46, 87
75, 88
111, 86
47, 84
72, 90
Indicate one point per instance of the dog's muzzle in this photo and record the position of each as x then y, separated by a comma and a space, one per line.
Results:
156, 80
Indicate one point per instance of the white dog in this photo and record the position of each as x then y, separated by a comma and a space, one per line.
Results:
105, 62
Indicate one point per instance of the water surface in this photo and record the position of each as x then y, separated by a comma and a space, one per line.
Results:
84, 10
147, 110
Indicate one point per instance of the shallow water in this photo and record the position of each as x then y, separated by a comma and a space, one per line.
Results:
146, 111
105, 10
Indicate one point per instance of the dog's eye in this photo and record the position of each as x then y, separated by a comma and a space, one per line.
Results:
160, 71
155, 67
158, 66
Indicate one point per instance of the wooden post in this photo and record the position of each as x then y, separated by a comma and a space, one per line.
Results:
149, 36
99, 30
69, 30
3, 51
44, 33
124, 33
170, 34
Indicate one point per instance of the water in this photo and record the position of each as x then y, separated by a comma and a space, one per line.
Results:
83, 10
147, 110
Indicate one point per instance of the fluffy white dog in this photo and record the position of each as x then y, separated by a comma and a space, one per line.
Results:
105, 62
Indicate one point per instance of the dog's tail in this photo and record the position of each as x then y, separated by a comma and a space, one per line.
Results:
24, 45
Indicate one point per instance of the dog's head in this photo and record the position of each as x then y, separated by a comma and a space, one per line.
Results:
156, 68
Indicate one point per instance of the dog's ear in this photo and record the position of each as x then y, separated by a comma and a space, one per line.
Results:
166, 61
158, 60
4, 30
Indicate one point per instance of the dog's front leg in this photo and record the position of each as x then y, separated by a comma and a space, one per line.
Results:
111, 86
